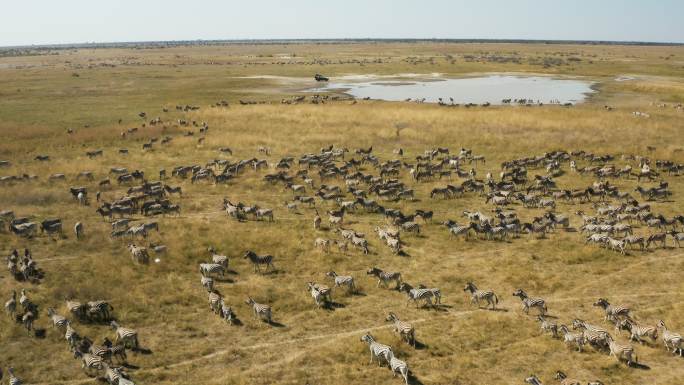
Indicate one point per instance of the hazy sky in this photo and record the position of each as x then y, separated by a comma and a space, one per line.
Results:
76, 21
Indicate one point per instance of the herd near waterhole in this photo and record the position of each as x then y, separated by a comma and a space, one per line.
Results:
526, 199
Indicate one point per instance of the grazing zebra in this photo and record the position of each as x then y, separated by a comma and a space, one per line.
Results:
377, 349
572, 338
260, 311
655, 239
528, 302
215, 302
417, 294
385, 277
258, 260
343, 280
398, 366
209, 269
636, 331
548, 326
595, 335
207, 283
405, 329
13, 379
11, 305
78, 230
612, 310
621, 352
481, 295
89, 361
125, 335
671, 340
58, 321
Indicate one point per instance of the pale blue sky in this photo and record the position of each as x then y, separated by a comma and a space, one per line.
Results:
76, 21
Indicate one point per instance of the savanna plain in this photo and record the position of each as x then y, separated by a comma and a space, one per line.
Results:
65, 102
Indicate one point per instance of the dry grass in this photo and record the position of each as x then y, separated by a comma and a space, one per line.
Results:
166, 304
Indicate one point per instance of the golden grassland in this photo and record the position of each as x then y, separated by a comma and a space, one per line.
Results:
165, 301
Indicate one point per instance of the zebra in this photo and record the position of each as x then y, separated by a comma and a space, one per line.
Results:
435, 292
58, 321
76, 308
635, 240
671, 340
260, 311
99, 310
548, 326
317, 221
323, 244
215, 302
528, 302
377, 349
207, 283
318, 297
78, 230
343, 280
656, 238
264, 213
637, 331
227, 313
125, 335
417, 294
612, 310
259, 260
385, 277
677, 237
89, 361
118, 350
11, 305
572, 338
139, 254
209, 269
24, 300
114, 376
595, 335
533, 380
481, 295
405, 329
70, 335
398, 366
13, 379
616, 244
27, 320
360, 242
564, 380
621, 352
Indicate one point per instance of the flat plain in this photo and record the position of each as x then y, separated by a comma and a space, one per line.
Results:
98, 94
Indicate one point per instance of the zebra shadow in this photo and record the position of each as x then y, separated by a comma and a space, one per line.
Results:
332, 305
140, 350
224, 280
130, 366
231, 271
420, 346
39, 333
276, 324
413, 380
638, 365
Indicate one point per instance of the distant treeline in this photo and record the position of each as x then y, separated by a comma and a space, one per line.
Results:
177, 43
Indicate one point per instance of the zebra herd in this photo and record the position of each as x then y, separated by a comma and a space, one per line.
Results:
616, 224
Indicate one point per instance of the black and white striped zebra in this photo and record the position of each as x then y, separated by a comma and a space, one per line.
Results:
417, 294
529, 302
227, 313
636, 331
571, 338
377, 350
385, 277
212, 269
398, 366
128, 337
258, 260
71, 336
89, 362
99, 311
215, 301
343, 280
261, 311
481, 295
622, 352
548, 326
671, 340
117, 351
318, 297
612, 310
13, 379
11, 305
207, 283
405, 329
58, 321
595, 335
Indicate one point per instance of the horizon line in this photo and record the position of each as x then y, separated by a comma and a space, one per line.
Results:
116, 44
